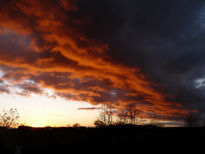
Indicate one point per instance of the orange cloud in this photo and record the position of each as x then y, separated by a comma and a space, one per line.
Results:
41, 41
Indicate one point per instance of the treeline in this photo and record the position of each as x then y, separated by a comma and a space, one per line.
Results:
130, 115
110, 116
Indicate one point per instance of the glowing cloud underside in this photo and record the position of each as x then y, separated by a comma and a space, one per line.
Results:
42, 48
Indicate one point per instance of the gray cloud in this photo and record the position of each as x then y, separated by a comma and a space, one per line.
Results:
164, 38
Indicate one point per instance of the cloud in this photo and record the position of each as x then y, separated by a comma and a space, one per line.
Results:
4, 89
118, 52
27, 88
89, 108
199, 83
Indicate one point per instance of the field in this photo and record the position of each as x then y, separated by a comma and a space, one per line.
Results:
124, 139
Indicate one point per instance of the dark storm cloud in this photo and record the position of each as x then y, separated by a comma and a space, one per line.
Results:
106, 52
164, 38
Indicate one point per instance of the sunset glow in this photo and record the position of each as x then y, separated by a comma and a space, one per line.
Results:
40, 111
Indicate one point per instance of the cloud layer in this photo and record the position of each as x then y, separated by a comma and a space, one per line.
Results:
103, 52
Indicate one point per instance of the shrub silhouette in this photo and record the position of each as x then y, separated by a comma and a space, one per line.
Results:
99, 123
191, 120
9, 118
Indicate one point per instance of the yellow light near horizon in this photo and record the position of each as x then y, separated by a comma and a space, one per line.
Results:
36, 124
41, 111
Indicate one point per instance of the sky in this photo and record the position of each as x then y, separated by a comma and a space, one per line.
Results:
61, 59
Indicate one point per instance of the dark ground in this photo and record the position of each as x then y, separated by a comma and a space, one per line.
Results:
124, 139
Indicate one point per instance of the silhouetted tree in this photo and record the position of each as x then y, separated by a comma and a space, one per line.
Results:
109, 113
132, 112
202, 120
9, 118
122, 117
106, 114
191, 120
